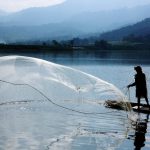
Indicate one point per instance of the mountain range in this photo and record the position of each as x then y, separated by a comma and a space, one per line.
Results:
141, 28
73, 18
3, 13
52, 14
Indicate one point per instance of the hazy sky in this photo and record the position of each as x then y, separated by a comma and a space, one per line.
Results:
16, 5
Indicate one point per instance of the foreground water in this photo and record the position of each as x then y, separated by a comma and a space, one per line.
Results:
121, 75
39, 125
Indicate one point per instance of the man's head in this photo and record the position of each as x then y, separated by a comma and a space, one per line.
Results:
138, 69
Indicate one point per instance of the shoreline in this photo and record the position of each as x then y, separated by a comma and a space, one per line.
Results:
78, 55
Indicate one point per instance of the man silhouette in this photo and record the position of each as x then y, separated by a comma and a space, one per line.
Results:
140, 84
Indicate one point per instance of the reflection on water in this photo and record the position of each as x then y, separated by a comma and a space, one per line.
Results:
140, 134
140, 131
38, 125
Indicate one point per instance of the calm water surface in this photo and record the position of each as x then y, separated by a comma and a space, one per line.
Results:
43, 126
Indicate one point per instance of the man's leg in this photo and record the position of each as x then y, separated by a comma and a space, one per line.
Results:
138, 103
147, 101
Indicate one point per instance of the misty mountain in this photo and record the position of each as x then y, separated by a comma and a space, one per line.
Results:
76, 11
103, 21
66, 20
52, 14
10, 34
3, 13
141, 28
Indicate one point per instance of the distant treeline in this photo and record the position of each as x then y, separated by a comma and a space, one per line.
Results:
90, 45
54, 47
137, 38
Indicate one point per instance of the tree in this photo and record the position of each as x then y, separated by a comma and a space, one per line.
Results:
102, 44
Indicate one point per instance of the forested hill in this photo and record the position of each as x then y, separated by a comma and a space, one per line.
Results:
140, 29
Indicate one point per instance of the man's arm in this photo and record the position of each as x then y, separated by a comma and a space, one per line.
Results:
130, 85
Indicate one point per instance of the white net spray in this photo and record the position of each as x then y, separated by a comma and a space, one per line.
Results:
29, 79
72, 106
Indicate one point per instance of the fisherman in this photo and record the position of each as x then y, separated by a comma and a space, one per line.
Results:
140, 84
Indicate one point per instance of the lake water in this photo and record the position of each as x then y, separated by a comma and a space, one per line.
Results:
43, 126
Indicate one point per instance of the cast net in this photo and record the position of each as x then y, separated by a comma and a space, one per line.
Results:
61, 106
26, 79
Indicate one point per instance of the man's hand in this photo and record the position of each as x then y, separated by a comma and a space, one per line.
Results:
128, 86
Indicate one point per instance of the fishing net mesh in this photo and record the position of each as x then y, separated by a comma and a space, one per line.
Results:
29, 79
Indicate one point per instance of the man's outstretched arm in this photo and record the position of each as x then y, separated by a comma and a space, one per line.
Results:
130, 85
